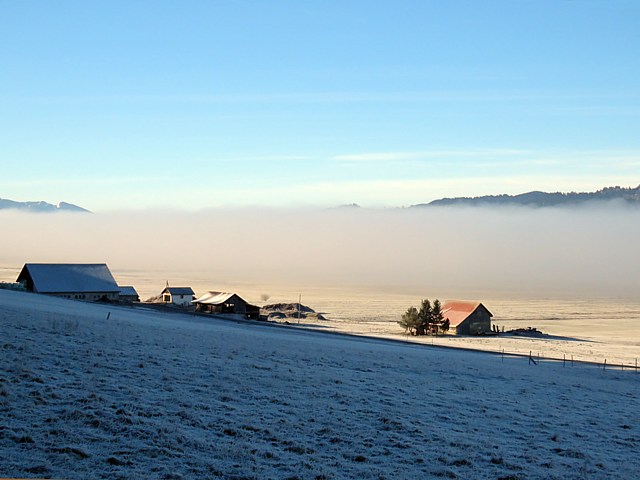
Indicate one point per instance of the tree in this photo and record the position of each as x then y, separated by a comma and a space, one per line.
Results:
424, 317
445, 326
409, 320
428, 320
436, 316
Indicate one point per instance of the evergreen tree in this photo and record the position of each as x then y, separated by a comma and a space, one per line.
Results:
424, 317
445, 326
428, 320
436, 315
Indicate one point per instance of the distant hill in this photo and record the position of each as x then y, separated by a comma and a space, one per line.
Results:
349, 206
543, 199
40, 207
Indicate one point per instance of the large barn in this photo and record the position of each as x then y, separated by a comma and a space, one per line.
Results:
223, 302
89, 282
467, 318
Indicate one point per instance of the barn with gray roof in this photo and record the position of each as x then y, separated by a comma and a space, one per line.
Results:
128, 294
89, 282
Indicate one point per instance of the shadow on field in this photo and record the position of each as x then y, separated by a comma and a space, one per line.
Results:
545, 337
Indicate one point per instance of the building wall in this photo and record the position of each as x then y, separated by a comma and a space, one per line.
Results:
233, 305
129, 298
86, 296
181, 300
477, 323
240, 306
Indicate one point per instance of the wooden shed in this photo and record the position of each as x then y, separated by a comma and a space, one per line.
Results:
467, 318
224, 302
89, 282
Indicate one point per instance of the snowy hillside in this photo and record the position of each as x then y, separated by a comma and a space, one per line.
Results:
147, 395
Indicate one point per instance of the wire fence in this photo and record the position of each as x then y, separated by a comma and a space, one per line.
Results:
535, 359
571, 361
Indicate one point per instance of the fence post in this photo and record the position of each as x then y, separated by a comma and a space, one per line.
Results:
572, 360
564, 359
604, 365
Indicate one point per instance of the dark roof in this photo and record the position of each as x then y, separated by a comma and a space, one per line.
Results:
128, 291
69, 277
178, 290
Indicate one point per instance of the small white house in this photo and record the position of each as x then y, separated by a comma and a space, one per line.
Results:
180, 296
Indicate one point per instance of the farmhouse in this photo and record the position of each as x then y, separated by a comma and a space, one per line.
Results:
181, 296
223, 302
467, 318
128, 294
89, 282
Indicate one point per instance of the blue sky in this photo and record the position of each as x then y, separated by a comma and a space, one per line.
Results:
197, 104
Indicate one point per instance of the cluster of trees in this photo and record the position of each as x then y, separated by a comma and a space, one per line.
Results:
426, 321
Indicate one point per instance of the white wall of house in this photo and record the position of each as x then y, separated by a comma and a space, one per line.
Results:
181, 300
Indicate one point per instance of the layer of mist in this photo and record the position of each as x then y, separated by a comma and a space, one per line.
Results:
517, 252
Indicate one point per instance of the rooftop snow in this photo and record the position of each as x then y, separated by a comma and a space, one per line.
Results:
214, 298
68, 277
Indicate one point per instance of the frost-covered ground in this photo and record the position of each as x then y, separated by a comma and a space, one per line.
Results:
589, 329
148, 395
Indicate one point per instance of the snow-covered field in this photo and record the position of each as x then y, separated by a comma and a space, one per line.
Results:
589, 329
149, 395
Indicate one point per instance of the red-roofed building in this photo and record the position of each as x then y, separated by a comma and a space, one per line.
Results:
467, 318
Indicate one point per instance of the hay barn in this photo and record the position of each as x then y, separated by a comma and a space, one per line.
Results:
89, 282
467, 318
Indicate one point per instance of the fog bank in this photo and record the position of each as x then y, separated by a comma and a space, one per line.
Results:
517, 251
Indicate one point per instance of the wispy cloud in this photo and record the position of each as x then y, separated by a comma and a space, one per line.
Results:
503, 157
493, 171
399, 192
428, 154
